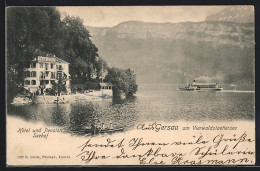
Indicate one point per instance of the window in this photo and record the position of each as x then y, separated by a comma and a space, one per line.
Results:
41, 65
33, 65
27, 82
47, 73
33, 74
33, 82
28, 74
42, 82
59, 74
51, 65
42, 76
52, 75
46, 66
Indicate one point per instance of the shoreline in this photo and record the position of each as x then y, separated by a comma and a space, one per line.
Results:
48, 99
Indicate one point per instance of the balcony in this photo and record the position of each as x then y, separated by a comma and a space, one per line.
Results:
47, 75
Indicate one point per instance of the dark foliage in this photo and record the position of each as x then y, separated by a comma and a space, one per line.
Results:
124, 81
34, 31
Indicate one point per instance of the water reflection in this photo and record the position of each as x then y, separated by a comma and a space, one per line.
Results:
60, 114
85, 114
146, 106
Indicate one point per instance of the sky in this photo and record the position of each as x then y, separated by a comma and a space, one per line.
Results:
109, 16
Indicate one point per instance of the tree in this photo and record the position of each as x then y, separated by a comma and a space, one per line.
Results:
60, 86
34, 31
77, 45
124, 81
30, 31
101, 67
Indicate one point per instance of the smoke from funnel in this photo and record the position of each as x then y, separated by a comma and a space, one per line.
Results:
219, 77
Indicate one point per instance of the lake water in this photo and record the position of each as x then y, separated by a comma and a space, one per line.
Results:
152, 103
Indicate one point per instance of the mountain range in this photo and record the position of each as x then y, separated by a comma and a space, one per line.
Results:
219, 50
238, 13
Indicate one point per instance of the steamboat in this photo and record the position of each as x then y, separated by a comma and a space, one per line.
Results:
201, 87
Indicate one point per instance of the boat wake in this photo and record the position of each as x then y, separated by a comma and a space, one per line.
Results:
236, 91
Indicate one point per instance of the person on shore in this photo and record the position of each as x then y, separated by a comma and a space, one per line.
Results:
93, 128
110, 125
44, 97
31, 96
57, 99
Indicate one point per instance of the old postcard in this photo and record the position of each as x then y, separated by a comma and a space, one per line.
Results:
130, 85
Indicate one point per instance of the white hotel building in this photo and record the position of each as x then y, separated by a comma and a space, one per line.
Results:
43, 71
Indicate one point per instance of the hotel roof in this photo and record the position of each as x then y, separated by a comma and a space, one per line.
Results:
58, 60
105, 84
